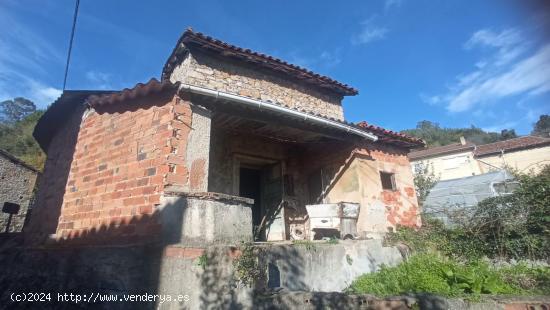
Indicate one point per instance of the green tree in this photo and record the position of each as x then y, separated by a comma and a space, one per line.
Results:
506, 134
435, 135
424, 181
16, 109
542, 126
16, 138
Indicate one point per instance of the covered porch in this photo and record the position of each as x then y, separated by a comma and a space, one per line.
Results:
281, 162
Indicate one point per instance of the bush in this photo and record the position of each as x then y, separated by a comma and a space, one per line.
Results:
447, 260
435, 237
517, 225
514, 226
535, 280
431, 273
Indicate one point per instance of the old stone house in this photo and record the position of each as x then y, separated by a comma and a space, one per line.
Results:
229, 140
17, 181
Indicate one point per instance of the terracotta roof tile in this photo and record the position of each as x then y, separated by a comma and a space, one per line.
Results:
387, 135
95, 99
484, 149
56, 114
140, 90
204, 42
441, 150
511, 145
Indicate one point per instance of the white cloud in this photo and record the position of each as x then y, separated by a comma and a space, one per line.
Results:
528, 76
99, 80
330, 59
41, 93
488, 37
24, 57
509, 44
325, 59
295, 57
369, 33
24, 86
431, 100
507, 70
388, 4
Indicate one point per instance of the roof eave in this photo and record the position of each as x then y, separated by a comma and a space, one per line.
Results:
207, 43
462, 150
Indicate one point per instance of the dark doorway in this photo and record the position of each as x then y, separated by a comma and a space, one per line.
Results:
250, 187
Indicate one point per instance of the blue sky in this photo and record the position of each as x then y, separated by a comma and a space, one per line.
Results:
458, 63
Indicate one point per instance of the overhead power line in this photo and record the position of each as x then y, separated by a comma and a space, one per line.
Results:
71, 44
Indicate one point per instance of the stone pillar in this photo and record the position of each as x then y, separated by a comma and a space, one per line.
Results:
198, 149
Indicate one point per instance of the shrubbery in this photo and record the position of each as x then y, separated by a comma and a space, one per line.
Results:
515, 226
450, 261
435, 237
437, 274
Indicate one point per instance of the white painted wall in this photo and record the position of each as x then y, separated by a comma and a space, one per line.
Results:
522, 160
451, 166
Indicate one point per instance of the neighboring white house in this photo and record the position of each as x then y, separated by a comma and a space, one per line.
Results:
447, 162
466, 159
525, 154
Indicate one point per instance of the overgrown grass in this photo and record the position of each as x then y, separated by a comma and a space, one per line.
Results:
202, 261
534, 280
435, 237
309, 245
246, 266
333, 240
432, 273
449, 261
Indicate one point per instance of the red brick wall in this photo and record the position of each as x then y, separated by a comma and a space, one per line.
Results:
125, 155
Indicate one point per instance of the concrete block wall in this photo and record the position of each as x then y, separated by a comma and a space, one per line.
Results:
203, 219
203, 70
175, 271
324, 267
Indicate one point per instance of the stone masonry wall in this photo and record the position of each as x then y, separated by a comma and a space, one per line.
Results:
16, 185
206, 71
124, 156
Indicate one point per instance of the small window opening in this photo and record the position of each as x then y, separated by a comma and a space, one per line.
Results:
273, 276
388, 180
505, 188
